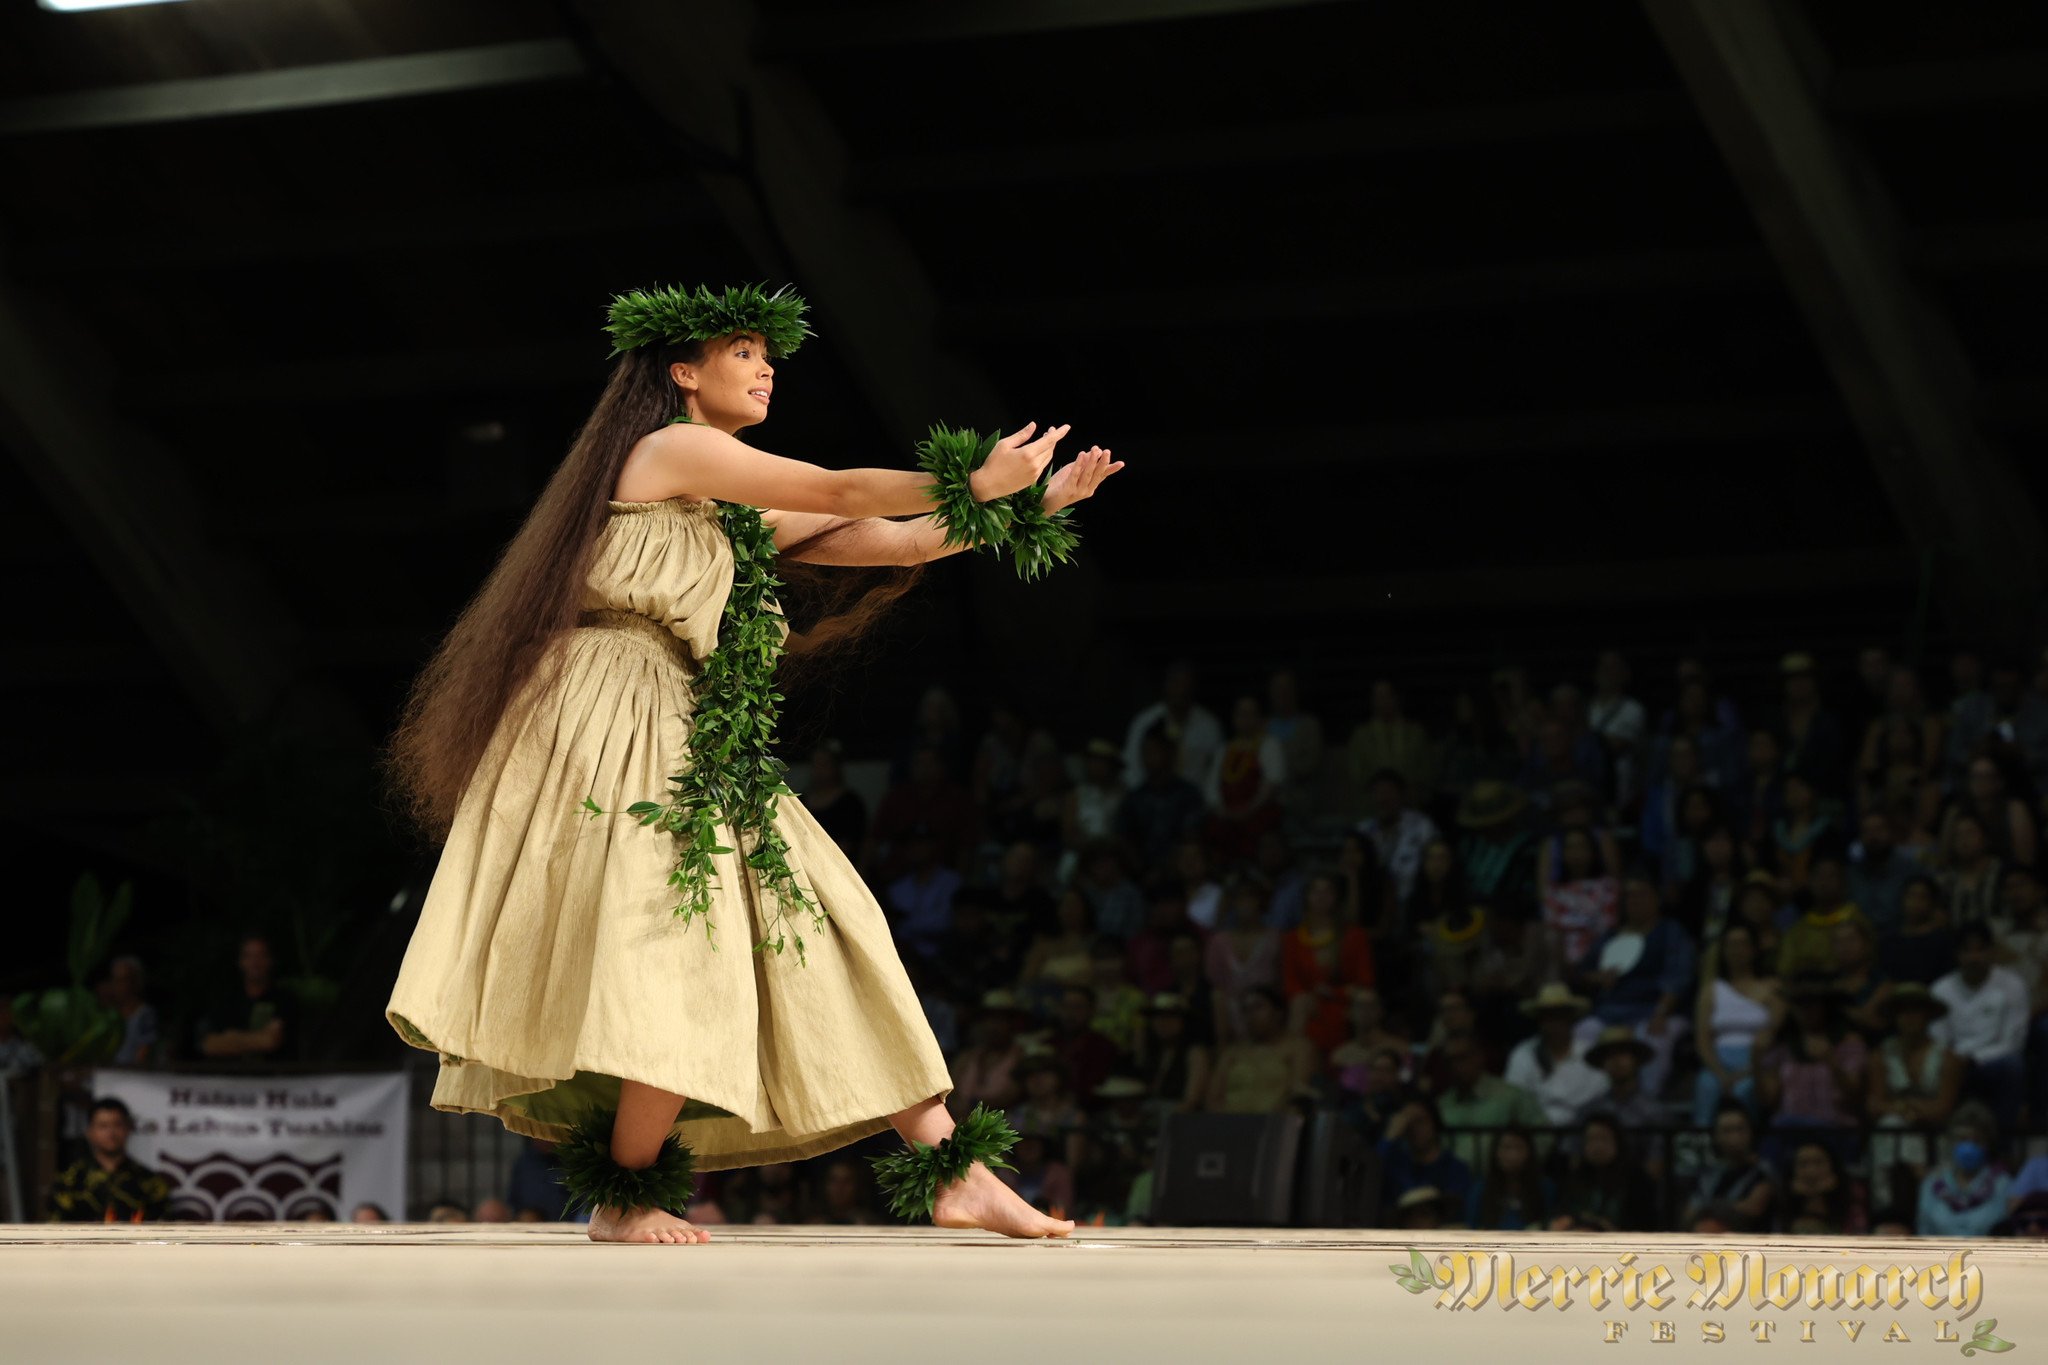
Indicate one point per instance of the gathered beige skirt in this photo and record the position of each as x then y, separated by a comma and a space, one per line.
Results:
548, 963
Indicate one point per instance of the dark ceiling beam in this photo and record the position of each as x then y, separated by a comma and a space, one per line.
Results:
507, 222
780, 185
1659, 272
834, 27
297, 87
1310, 142
1356, 596
1894, 358
234, 646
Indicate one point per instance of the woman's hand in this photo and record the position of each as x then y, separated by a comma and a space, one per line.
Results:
1014, 464
1080, 479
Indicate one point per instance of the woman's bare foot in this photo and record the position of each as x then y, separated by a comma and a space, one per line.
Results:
608, 1224
980, 1200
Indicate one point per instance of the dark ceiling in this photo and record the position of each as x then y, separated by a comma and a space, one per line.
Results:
1430, 332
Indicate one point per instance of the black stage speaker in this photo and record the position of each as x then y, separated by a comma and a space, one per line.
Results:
1338, 1180
1221, 1170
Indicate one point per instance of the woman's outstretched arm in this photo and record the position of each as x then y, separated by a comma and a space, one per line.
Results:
875, 541
690, 459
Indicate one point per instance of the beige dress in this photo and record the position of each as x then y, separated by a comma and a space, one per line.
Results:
548, 962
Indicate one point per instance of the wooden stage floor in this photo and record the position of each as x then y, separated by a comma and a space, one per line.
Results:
313, 1292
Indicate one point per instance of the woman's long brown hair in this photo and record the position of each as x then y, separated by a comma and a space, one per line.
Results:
478, 679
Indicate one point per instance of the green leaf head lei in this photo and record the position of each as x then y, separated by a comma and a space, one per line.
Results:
671, 314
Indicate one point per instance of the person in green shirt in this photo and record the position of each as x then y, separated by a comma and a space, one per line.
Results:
1475, 1098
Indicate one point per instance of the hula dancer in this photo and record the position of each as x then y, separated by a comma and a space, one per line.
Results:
638, 944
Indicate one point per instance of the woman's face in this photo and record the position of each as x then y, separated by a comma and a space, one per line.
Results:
730, 387
1322, 898
1598, 1144
1810, 1167
1916, 900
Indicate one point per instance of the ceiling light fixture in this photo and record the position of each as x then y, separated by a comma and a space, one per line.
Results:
72, 6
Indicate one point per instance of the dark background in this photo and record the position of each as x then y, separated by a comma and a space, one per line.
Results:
1435, 336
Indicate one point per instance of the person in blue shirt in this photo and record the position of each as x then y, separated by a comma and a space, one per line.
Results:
1640, 973
1412, 1154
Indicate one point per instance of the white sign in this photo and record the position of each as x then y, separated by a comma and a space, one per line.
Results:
268, 1148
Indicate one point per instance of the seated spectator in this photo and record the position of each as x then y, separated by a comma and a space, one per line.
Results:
1809, 943
1734, 1009
1301, 743
972, 951
1243, 953
1914, 1079
1455, 1017
985, 1071
2028, 1221
253, 1019
1642, 973
929, 800
1621, 1056
1970, 873
1370, 1031
1514, 1193
1677, 809
1413, 1154
1455, 949
1706, 900
1422, 1208
1860, 984
1048, 1101
1117, 903
123, 993
106, 1185
1267, 1070
1965, 1195
1367, 891
1119, 1005
1801, 830
1581, 898
921, 900
1398, 831
1735, 1176
1550, 1063
1193, 875
1603, 1190
1191, 731
1922, 949
1090, 809
1284, 875
2023, 946
1373, 1092
1819, 1199
1034, 811
1089, 1055
1321, 963
2005, 827
1878, 872
1061, 959
1439, 886
374, 1213
1987, 1023
1173, 1065
1242, 786
1476, 1098
1759, 905
1498, 854
1161, 809
1019, 904
1148, 957
1387, 738
1812, 1071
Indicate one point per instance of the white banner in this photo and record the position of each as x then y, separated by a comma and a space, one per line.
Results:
267, 1148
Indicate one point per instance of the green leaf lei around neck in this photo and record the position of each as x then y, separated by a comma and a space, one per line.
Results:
732, 777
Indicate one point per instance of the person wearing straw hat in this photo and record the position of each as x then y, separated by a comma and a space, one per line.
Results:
1498, 854
1550, 1064
1915, 1078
